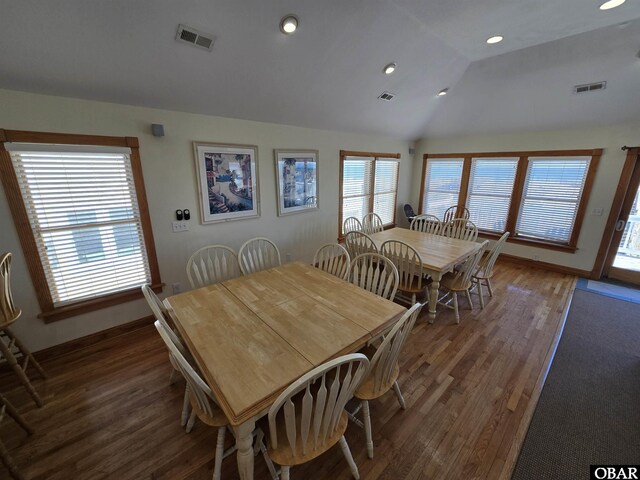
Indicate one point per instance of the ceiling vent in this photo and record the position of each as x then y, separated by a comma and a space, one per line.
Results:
386, 96
591, 87
195, 37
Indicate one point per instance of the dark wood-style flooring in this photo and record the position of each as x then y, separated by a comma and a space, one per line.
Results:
470, 389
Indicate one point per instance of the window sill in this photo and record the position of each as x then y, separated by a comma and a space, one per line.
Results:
85, 306
530, 242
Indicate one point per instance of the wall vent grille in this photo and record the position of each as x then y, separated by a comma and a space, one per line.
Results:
195, 37
590, 87
386, 96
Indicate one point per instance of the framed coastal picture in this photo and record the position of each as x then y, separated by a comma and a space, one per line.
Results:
227, 181
296, 180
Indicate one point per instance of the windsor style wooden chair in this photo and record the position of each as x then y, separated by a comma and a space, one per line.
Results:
212, 264
258, 254
11, 348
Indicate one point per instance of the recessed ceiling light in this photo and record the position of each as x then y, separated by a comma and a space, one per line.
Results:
289, 24
389, 69
495, 39
611, 4
443, 92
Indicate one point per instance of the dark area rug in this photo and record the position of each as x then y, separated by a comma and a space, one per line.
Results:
589, 410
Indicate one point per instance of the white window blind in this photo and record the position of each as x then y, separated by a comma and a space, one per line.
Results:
83, 210
551, 196
442, 185
385, 189
356, 186
490, 187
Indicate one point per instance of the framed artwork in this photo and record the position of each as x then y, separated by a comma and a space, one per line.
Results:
227, 181
296, 180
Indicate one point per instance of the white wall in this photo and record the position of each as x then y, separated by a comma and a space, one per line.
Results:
170, 180
611, 139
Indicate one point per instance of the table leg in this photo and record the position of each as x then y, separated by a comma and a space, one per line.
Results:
433, 297
244, 442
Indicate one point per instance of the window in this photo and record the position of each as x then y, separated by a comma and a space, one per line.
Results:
490, 186
538, 196
88, 239
369, 183
551, 197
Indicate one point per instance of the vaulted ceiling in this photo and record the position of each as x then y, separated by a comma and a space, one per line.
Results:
329, 73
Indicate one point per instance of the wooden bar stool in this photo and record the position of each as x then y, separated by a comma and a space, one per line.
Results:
12, 349
7, 461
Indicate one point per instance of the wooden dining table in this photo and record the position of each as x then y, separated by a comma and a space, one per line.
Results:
253, 336
438, 254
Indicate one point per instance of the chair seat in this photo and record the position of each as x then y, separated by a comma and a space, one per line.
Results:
367, 390
283, 455
416, 285
218, 419
452, 281
7, 322
482, 274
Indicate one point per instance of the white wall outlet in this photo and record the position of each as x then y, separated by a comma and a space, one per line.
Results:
288, 257
596, 212
175, 287
179, 226
536, 258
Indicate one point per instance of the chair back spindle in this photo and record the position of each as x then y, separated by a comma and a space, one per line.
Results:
333, 258
461, 229
351, 224
487, 264
8, 311
312, 420
375, 273
199, 391
372, 223
258, 254
454, 212
385, 361
426, 224
358, 243
407, 261
212, 264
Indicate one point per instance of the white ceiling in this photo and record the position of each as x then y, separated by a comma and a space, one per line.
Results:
329, 73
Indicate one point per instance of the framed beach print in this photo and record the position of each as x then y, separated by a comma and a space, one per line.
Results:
296, 180
227, 181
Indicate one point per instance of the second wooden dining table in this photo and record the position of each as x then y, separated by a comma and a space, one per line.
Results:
254, 335
438, 254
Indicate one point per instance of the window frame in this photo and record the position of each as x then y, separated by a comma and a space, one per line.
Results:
517, 192
374, 156
49, 313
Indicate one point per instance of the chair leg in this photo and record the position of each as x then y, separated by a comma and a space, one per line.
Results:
396, 388
347, 455
191, 421
469, 298
26, 352
284, 473
455, 305
413, 299
217, 466
479, 287
173, 377
366, 414
6, 352
7, 461
186, 404
489, 287
13, 413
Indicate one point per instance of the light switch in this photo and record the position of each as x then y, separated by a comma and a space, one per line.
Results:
180, 226
596, 212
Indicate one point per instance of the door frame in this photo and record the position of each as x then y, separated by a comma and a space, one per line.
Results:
600, 267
